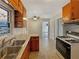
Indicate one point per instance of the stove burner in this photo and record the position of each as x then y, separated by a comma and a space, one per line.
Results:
73, 41
64, 36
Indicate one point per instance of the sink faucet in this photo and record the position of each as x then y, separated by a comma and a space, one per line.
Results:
3, 42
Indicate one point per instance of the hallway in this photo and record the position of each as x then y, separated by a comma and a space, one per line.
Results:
47, 50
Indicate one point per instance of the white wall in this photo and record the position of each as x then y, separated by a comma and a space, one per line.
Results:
56, 17
35, 27
52, 28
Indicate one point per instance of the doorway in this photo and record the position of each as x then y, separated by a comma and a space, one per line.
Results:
45, 30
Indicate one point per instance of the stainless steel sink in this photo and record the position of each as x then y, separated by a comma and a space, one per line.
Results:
13, 49
10, 57
10, 49
11, 52
1, 54
18, 42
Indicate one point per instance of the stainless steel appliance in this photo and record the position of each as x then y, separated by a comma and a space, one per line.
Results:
68, 47
63, 48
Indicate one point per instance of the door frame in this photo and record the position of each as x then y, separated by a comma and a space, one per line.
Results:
46, 20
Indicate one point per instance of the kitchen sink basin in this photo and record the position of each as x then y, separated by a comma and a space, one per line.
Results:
12, 49
12, 56
18, 42
11, 52
1, 53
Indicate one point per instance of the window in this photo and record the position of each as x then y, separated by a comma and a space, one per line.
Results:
4, 21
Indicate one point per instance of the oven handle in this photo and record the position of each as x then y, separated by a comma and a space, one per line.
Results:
68, 47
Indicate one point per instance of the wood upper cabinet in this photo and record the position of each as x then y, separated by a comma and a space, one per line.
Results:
20, 6
14, 3
17, 5
67, 11
20, 12
71, 12
75, 8
24, 12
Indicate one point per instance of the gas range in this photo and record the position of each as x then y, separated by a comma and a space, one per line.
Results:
64, 36
73, 41
69, 39
68, 47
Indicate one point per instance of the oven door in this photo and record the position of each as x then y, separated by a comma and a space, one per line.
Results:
63, 48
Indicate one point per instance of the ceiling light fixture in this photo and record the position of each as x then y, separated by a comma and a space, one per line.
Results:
48, 0
24, 18
35, 18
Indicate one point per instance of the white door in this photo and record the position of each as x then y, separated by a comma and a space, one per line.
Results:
45, 29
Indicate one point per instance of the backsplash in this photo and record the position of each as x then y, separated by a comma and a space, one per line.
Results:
20, 33
71, 27
17, 31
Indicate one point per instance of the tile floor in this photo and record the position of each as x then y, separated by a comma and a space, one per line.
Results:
47, 50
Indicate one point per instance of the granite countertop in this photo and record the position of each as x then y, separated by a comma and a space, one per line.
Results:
24, 45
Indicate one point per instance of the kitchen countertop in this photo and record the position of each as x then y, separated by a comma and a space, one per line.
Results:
24, 45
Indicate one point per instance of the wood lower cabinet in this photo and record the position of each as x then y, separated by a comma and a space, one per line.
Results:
26, 52
34, 43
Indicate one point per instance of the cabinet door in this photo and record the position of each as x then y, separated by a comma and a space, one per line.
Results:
14, 3
26, 52
20, 7
67, 11
24, 12
75, 9
34, 43
37, 45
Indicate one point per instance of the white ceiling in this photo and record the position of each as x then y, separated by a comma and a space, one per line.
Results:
43, 8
